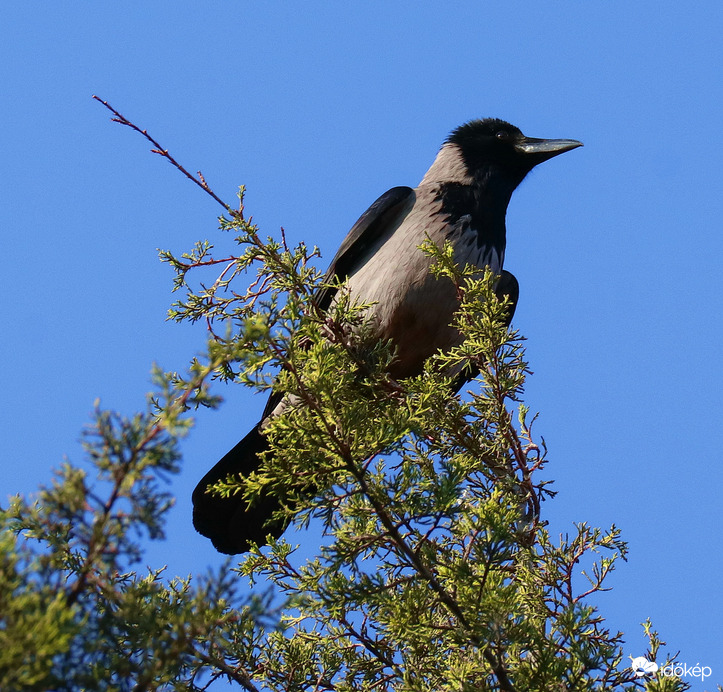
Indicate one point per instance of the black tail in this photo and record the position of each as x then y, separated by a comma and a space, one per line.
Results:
229, 522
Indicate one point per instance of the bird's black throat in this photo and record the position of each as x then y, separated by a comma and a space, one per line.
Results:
485, 206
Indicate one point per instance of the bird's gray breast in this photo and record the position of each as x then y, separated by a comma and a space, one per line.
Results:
412, 307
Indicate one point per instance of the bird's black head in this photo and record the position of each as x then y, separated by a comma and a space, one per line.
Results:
494, 145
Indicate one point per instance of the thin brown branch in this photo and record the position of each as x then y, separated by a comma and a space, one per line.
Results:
424, 571
158, 149
238, 676
370, 645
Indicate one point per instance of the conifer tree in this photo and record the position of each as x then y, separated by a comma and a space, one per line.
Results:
435, 569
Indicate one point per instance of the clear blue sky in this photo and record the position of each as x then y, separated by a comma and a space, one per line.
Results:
319, 107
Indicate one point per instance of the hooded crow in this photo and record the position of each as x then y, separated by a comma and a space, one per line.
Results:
462, 199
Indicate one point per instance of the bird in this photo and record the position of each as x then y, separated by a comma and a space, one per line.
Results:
462, 199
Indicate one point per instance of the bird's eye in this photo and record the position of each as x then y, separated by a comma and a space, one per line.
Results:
503, 135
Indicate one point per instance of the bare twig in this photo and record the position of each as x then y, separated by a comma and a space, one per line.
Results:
158, 149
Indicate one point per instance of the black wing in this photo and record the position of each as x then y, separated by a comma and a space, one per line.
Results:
372, 224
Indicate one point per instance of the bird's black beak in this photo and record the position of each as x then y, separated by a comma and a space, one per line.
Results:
539, 150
